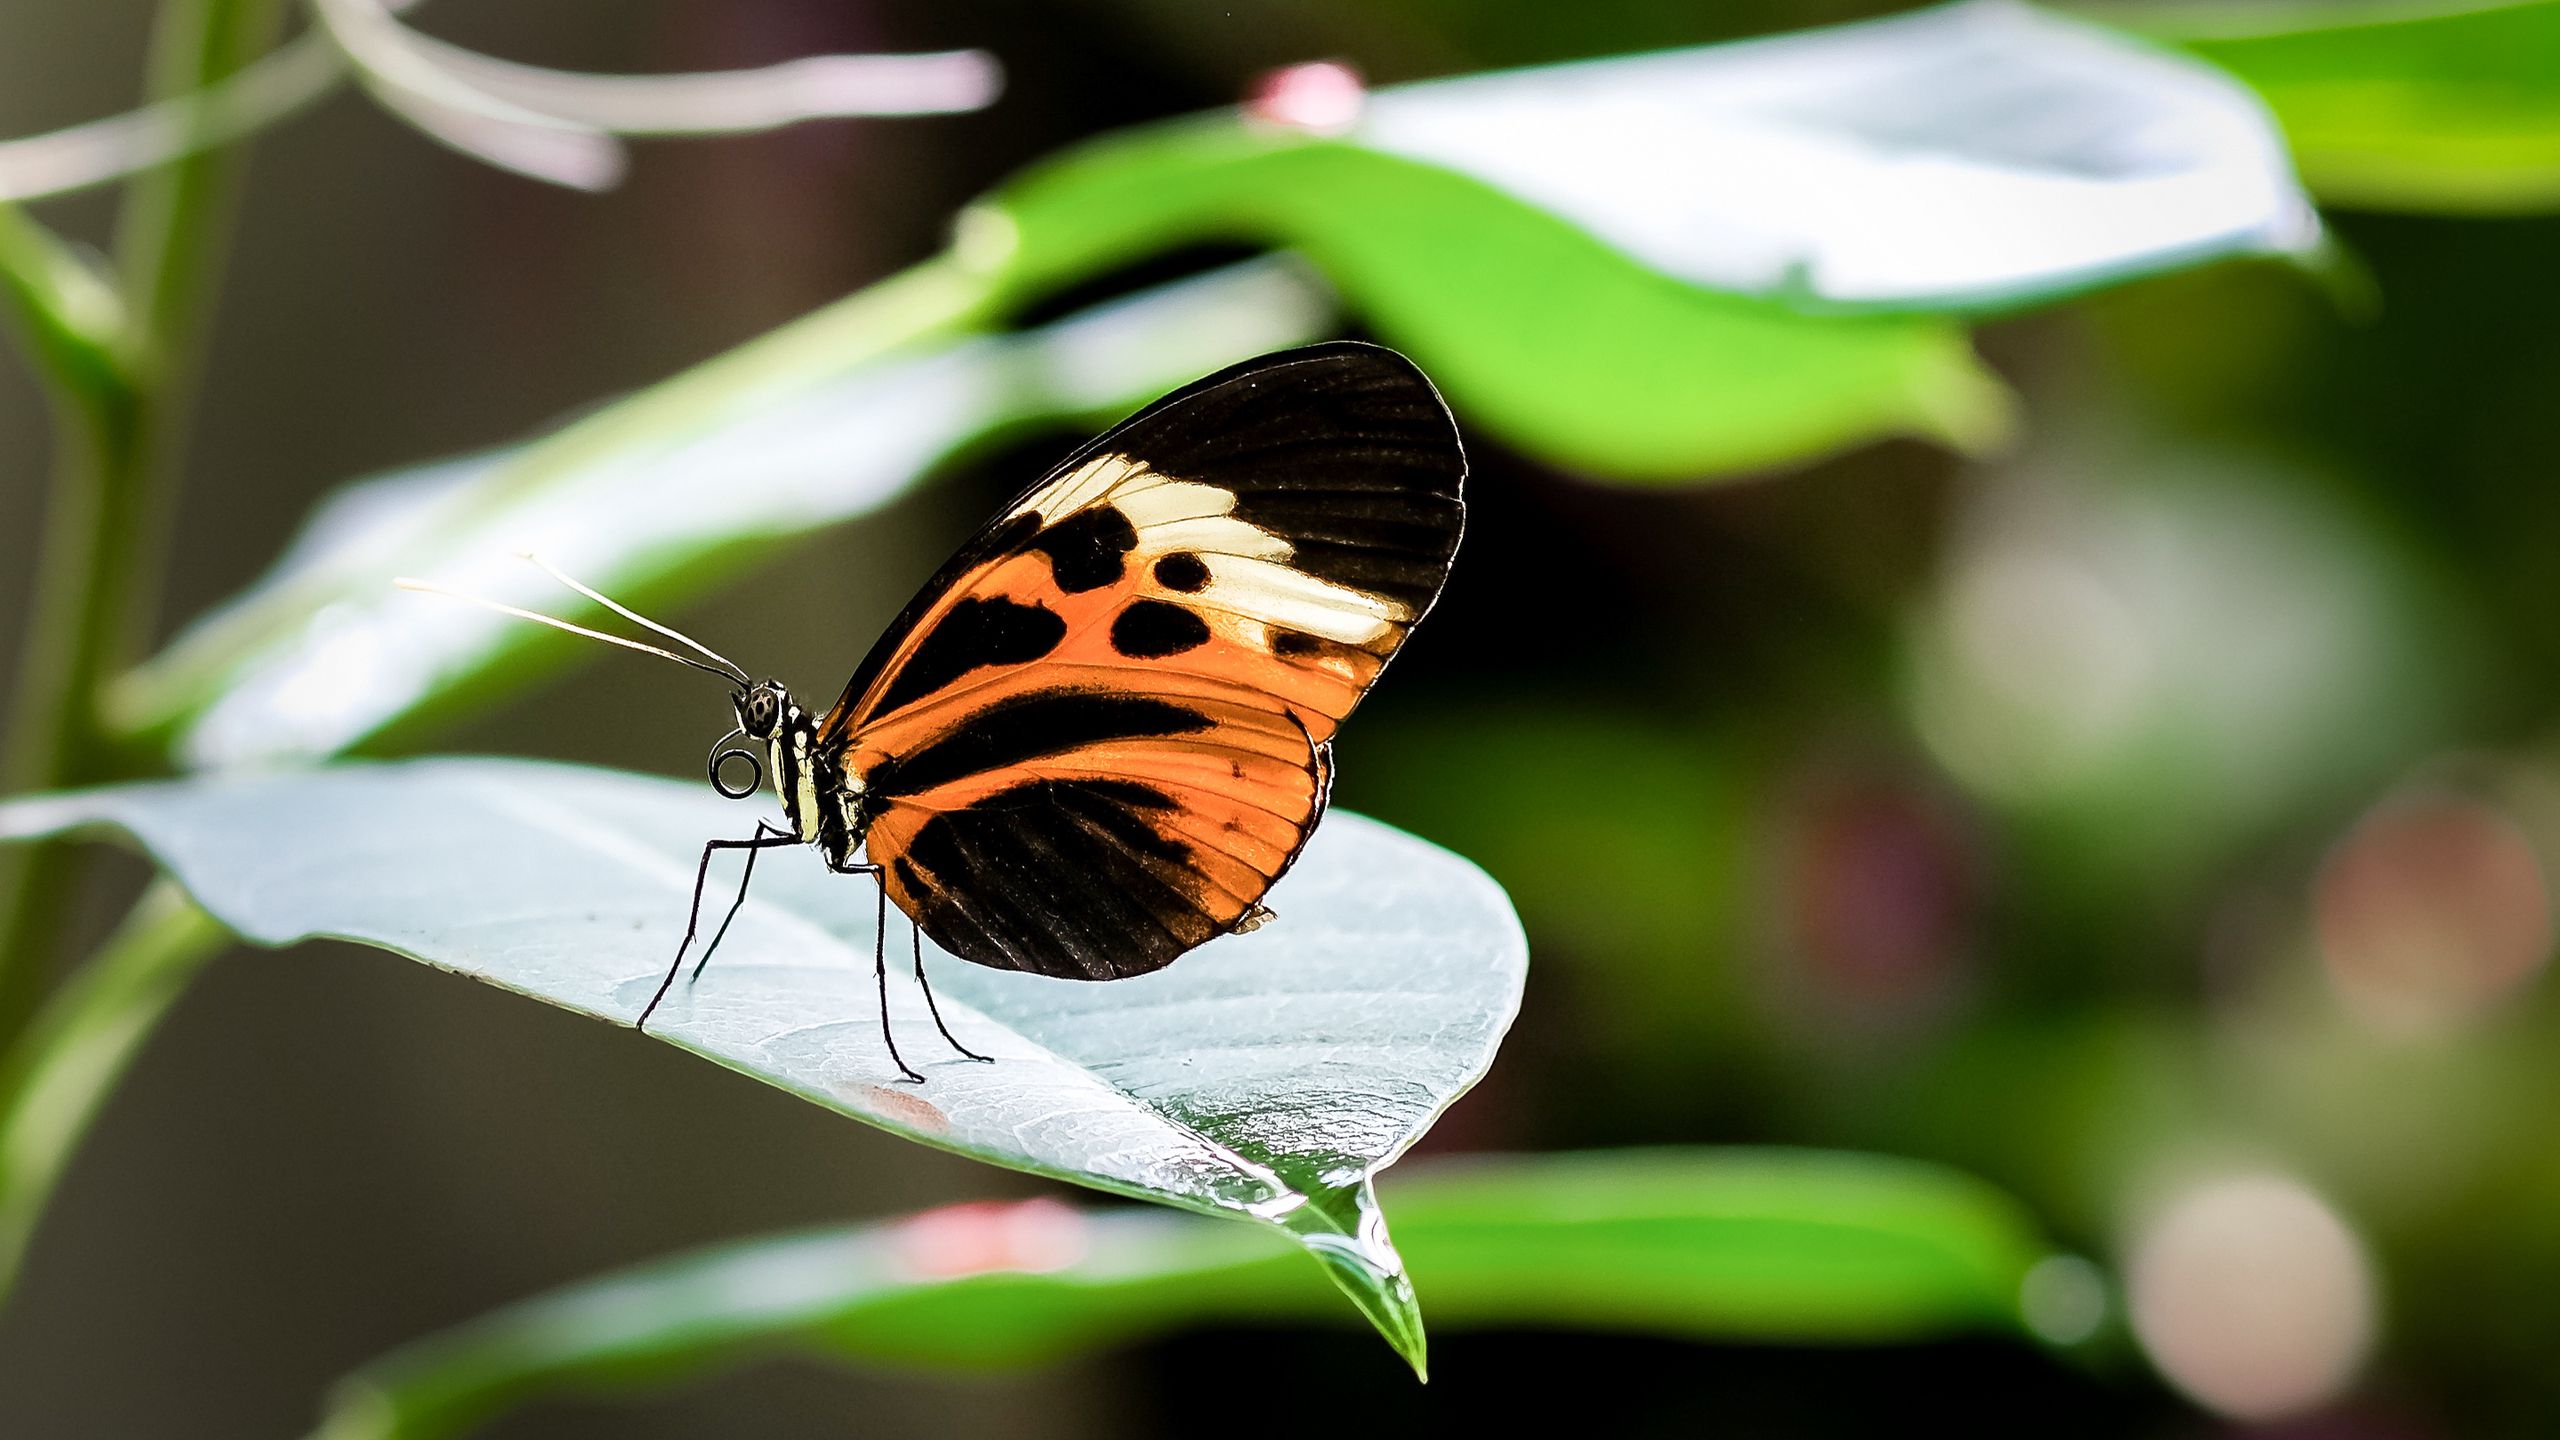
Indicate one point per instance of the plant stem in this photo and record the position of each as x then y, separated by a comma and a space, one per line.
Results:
109, 512
62, 1068
173, 232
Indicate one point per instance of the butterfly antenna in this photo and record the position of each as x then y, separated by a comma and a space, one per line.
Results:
636, 618
424, 587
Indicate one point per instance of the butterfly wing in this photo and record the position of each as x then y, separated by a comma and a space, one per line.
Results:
1102, 731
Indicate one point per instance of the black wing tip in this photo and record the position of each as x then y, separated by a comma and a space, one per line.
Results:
1368, 353
1371, 355
1321, 350
1380, 359
1450, 484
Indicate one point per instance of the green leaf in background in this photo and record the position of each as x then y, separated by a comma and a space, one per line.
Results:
1538, 331
1766, 1246
2450, 107
1611, 264
1269, 1077
1977, 154
656, 497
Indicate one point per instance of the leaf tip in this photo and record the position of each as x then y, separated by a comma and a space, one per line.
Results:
1388, 1302
1363, 1262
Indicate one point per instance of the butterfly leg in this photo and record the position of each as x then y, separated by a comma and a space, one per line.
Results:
880, 972
693, 919
917, 931
745, 879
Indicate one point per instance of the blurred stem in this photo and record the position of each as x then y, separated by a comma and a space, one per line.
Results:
119, 425
62, 1068
173, 232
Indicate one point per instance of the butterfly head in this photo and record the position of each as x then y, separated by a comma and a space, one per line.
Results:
767, 716
762, 709
823, 807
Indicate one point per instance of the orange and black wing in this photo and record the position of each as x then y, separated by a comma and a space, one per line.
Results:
1103, 730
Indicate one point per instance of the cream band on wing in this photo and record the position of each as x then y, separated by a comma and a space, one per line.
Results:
1248, 568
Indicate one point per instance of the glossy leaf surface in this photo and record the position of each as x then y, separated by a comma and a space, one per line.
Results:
1267, 1076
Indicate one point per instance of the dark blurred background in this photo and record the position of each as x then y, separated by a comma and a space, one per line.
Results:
2164, 800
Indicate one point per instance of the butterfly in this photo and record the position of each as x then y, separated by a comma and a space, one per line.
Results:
1104, 729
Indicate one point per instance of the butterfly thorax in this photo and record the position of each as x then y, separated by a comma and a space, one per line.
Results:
823, 803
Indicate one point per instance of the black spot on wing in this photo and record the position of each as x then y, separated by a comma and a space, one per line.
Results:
1344, 450
975, 633
998, 538
1153, 629
1027, 727
1087, 550
1059, 877
1185, 573
1294, 644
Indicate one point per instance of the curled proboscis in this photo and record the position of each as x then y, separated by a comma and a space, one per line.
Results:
719, 773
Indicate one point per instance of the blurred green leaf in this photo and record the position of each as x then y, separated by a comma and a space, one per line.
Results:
1611, 264
65, 308
1969, 155
1269, 1076
2451, 109
1767, 1246
1539, 331
658, 497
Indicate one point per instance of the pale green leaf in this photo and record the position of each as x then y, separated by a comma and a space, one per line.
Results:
1268, 1076
2448, 107
1538, 331
1982, 153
